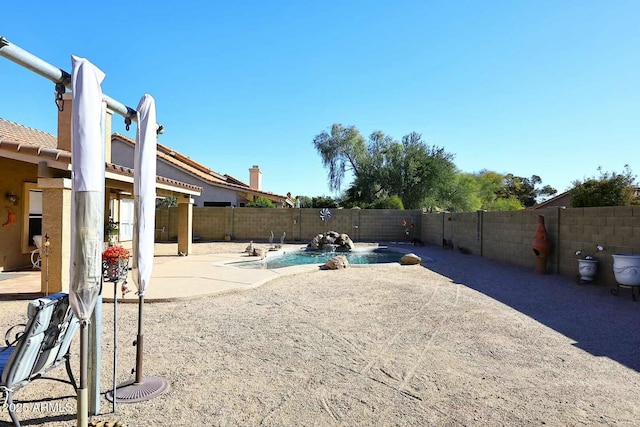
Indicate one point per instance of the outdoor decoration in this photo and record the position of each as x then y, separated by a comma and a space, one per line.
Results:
587, 265
325, 214
407, 229
626, 268
541, 247
331, 241
11, 217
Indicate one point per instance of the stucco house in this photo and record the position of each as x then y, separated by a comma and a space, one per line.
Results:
217, 189
35, 190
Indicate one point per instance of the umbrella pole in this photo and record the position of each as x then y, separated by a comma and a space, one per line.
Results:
115, 343
139, 342
83, 403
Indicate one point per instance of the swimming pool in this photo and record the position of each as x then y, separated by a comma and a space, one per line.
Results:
301, 257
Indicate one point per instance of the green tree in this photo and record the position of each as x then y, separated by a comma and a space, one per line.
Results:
392, 202
304, 201
383, 167
463, 194
609, 189
343, 150
323, 202
168, 201
260, 202
524, 189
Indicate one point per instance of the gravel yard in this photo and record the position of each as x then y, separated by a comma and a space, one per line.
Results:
457, 341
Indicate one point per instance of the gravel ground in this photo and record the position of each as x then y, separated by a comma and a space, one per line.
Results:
460, 340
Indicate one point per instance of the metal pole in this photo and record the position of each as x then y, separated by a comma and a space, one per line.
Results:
115, 342
139, 343
56, 75
83, 404
95, 328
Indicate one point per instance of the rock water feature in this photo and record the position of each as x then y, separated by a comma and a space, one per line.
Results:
331, 241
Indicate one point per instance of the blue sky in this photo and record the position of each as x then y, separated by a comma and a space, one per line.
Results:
527, 87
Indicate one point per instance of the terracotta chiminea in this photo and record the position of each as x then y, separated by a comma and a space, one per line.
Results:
541, 247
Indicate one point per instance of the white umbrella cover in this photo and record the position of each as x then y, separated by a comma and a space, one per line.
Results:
144, 190
87, 202
87, 207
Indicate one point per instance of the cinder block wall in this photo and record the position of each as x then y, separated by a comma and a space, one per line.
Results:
615, 228
299, 224
507, 236
503, 236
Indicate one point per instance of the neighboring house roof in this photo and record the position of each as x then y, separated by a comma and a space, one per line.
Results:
204, 173
561, 200
564, 200
127, 172
24, 141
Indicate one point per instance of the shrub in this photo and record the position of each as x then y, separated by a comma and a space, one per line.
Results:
261, 202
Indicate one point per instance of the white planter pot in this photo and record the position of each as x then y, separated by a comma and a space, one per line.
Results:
626, 268
587, 269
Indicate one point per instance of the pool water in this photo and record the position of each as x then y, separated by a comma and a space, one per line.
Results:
288, 259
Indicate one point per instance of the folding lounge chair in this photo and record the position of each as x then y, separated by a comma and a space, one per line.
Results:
42, 346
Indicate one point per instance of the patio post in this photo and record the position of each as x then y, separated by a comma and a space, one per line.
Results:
185, 225
56, 222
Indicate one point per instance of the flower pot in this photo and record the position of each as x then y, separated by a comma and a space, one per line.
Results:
587, 269
626, 268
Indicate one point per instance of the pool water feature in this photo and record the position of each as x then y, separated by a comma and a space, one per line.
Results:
302, 257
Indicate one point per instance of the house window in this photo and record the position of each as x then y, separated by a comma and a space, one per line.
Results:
216, 204
32, 219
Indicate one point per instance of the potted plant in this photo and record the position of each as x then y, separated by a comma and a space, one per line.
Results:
115, 263
587, 264
111, 230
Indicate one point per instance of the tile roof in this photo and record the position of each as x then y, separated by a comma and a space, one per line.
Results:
21, 139
125, 171
19, 133
201, 171
34, 150
25, 140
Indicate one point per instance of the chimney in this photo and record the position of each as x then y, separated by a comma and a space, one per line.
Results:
255, 178
64, 127
64, 123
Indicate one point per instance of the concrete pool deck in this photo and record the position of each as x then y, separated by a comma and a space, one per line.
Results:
183, 277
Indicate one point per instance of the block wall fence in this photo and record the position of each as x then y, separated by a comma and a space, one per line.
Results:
502, 236
212, 224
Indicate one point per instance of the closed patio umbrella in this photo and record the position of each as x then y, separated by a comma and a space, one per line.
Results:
144, 189
87, 207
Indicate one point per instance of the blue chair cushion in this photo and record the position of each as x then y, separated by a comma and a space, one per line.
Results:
5, 353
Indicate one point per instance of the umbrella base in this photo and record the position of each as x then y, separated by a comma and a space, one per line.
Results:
132, 392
